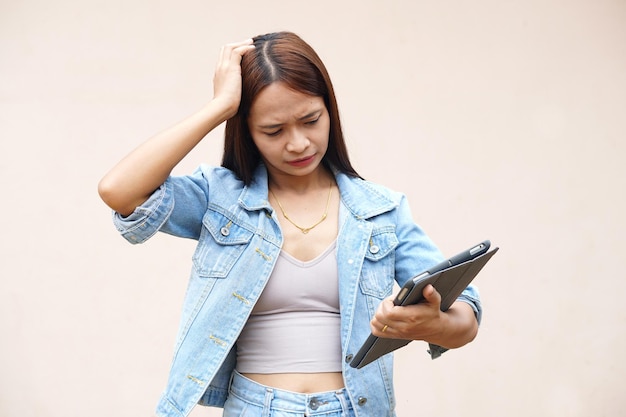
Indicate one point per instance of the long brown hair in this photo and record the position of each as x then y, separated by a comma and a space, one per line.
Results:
284, 57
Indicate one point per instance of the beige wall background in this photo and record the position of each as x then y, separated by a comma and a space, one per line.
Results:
503, 120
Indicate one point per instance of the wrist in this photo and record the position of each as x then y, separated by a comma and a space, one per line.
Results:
222, 108
458, 326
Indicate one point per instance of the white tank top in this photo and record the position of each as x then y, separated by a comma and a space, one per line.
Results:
295, 325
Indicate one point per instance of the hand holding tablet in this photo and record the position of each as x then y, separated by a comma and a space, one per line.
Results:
449, 278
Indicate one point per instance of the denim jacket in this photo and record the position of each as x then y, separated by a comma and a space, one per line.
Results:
239, 239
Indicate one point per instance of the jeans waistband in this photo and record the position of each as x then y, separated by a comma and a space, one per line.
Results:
278, 399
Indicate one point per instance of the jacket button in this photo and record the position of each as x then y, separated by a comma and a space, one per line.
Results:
225, 231
374, 249
362, 400
349, 358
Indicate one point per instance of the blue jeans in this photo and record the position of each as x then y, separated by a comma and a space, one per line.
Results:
250, 399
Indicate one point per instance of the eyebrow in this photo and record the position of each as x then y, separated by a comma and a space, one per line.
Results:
306, 116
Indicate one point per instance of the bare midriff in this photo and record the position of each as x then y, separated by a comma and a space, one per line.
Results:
306, 383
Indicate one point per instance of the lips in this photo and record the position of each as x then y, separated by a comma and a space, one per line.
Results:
302, 162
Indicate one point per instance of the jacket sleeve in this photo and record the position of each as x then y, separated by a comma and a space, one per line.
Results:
176, 208
413, 241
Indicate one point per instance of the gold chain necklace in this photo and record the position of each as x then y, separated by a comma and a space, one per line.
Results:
305, 230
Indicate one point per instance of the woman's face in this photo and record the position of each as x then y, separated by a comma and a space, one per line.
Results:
290, 129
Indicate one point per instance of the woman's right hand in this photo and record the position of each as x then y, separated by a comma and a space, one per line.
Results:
227, 78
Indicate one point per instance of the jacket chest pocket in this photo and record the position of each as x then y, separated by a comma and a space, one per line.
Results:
378, 274
221, 243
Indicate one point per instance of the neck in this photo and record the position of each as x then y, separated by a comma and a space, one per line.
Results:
303, 209
301, 185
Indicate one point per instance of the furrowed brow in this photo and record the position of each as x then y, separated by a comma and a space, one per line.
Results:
305, 117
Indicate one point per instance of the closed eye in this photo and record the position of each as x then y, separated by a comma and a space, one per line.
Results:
312, 122
275, 133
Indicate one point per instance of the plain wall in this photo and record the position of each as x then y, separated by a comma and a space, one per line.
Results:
499, 119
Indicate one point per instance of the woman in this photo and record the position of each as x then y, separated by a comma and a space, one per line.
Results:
296, 255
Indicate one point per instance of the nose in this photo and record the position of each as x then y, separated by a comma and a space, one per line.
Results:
298, 142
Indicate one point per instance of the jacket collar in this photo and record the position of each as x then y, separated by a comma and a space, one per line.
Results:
362, 198
354, 193
255, 196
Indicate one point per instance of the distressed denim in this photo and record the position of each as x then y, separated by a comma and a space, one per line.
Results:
239, 239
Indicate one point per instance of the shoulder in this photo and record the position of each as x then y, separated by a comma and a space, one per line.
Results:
383, 190
216, 174
217, 179
366, 198
368, 186
206, 182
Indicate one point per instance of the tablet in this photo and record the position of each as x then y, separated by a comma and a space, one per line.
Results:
449, 278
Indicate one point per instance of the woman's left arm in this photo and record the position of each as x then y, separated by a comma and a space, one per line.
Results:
416, 252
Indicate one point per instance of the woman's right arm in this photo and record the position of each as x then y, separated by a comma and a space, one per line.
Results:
131, 182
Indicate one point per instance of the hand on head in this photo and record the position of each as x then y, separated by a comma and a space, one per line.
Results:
227, 77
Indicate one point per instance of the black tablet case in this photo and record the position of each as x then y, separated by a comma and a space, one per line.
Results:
449, 282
